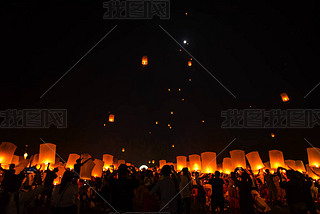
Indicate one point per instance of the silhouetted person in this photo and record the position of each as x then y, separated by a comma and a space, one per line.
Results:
268, 179
48, 183
185, 187
217, 199
78, 165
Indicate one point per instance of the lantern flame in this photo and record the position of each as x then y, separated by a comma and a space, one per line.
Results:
144, 60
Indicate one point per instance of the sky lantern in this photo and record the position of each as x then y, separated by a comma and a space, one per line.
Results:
300, 166
189, 63
144, 60
272, 135
85, 157
220, 168
284, 97
162, 163
34, 159
111, 118
128, 164
157, 122
290, 164
227, 165
153, 162
172, 145
108, 160
276, 159
313, 156
15, 159
184, 41
238, 158
181, 162
47, 153
195, 162
254, 160
6, 152
209, 163
72, 160
86, 170
310, 172
267, 166
121, 162
123, 150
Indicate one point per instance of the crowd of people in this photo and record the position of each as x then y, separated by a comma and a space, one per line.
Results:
151, 190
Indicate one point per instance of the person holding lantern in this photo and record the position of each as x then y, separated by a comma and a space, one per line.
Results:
217, 197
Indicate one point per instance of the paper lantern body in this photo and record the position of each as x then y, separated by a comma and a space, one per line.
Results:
108, 160
175, 166
6, 152
121, 162
35, 159
15, 159
238, 158
144, 60
86, 170
255, 160
220, 168
313, 156
284, 97
111, 118
227, 166
195, 162
300, 166
72, 160
189, 63
98, 168
181, 162
290, 164
276, 159
162, 163
209, 163
310, 173
47, 153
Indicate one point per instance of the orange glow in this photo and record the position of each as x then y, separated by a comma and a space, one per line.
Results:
254, 160
104, 124
313, 156
284, 97
182, 99
153, 161
144, 60
169, 125
195, 162
209, 163
111, 118
186, 14
162, 163
6, 152
47, 153
179, 49
169, 89
123, 150
189, 80
108, 160
238, 158
181, 162
276, 159
272, 135
172, 145
202, 121
227, 165
157, 122
189, 63
149, 162
72, 160
172, 112
179, 89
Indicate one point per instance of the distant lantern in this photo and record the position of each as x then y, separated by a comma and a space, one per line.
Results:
195, 162
202, 121
313, 156
180, 50
179, 89
300, 166
290, 164
25, 155
189, 63
86, 170
169, 89
310, 172
181, 162
276, 159
111, 118
254, 160
6, 152
72, 160
185, 41
182, 99
172, 145
144, 60
153, 161
149, 162
172, 112
104, 124
284, 97
108, 161
208, 161
34, 159
156, 122
272, 135
47, 153
162, 163
169, 125
227, 165
149, 132
238, 158
123, 150
189, 80
186, 14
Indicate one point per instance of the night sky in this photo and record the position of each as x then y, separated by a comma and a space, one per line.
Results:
257, 50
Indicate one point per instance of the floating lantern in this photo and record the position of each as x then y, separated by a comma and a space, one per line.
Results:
123, 150
47, 153
157, 123
202, 121
310, 172
35, 159
85, 156
111, 118
276, 159
182, 99
267, 166
227, 165
175, 166
15, 160
162, 163
6, 152
153, 161
108, 161
186, 14
313, 156
144, 60
25, 155
172, 112
181, 162
255, 160
86, 170
290, 164
209, 163
180, 50
284, 97
184, 41
72, 160
195, 162
149, 162
121, 162
172, 145
300, 166
189, 63
220, 168
272, 135
179, 89
238, 158
128, 164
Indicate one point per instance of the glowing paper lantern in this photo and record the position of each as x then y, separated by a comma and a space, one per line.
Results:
85, 156
220, 168
47, 153
272, 135
310, 172
254, 160
6, 152
227, 165
128, 164
267, 166
35, 159
300, 166
313, 156
111, 118
162, 163
181, 162
144, 60
238, 158
72, 160
21, 166
98, 168
284, 97
209, 163
290, 164
189, 63
195, 162
175, 166
86, 170
15, 160
108, 160
121, 162
276, 159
